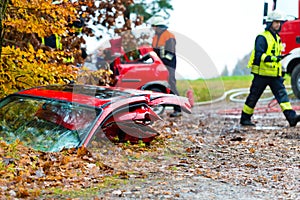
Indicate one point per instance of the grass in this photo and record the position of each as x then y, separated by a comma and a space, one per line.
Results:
209, 89
85, 193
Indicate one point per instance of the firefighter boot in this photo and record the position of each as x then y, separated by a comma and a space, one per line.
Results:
291, 117
177, 112
246, 120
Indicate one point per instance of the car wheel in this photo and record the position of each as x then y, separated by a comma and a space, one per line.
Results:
295, 81
158, 109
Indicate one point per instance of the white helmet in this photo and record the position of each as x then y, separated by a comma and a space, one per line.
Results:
157, 20
275, 16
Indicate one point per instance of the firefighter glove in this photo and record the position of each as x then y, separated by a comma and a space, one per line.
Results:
280, 57
169, 56
276, 58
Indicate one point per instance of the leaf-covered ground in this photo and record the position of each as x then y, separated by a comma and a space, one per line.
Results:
205, 155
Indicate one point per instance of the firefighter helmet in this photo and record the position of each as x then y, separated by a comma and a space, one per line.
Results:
157, 20
275, 16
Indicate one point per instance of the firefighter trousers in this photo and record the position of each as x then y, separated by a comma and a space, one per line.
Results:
259, 84
172, 83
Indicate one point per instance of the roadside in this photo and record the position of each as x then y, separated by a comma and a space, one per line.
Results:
204, 155
209, 156
193, 187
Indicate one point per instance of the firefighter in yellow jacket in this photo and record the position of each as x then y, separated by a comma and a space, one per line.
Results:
164, 43
266, 68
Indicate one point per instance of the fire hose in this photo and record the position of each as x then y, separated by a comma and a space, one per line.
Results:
233, 95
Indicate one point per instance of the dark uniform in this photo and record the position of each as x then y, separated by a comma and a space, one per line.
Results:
164, 43
267, 70
54, 40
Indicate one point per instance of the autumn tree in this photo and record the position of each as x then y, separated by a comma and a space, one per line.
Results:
146, 9
25, 59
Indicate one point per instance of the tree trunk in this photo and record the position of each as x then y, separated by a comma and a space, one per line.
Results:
3, 7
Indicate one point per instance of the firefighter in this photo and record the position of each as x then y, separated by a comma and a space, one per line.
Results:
164, 43
266, 68
53, 41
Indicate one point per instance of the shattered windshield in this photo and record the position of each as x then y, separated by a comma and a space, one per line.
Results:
45, 125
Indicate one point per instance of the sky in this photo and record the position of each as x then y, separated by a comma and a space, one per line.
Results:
224, 29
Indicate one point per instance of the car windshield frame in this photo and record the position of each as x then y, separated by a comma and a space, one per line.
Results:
37, 120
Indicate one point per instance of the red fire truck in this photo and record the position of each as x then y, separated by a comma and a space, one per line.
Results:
290, 36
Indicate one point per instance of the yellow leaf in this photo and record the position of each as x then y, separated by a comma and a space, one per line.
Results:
252, 150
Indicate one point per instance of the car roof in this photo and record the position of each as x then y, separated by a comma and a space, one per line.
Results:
84, 94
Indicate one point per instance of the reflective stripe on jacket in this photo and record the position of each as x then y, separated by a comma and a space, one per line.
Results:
68, 60
274, 49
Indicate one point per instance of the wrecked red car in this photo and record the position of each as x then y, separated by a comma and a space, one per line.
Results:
139, 68
147, 72
51, 118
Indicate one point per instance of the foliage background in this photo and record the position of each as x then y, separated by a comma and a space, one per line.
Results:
26, 62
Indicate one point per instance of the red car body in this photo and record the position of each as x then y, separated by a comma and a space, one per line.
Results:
147, 72
75, 115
